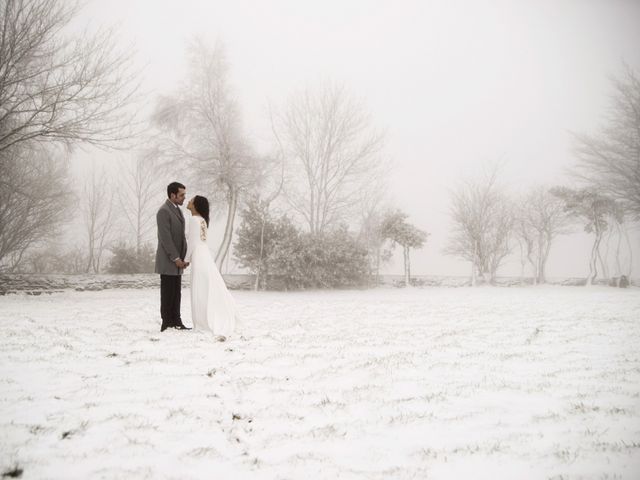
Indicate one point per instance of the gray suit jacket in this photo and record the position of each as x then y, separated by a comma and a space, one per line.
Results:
172, 243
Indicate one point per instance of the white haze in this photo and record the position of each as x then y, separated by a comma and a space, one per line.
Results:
454, 84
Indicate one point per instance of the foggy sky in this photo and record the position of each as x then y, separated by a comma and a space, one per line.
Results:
454, 84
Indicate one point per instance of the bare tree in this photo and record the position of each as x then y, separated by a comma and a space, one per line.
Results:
54, 256
55, 87
332, 148
396, 228
610, 160
482, 222
98, 214
592, 208
264, 207
267, 188
617, 230
525, 235
269, 177
204, 120
540, 218
138, 190
372, 207
34, 206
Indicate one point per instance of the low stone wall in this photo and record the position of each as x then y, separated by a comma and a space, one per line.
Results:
450, 281
39, 284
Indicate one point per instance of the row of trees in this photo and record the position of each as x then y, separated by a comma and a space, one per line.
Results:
326, 153
56, 91
325, 168
489, 224
118, 217
112, 212
273, 247
325, 148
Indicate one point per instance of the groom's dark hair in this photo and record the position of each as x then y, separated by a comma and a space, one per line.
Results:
173, 187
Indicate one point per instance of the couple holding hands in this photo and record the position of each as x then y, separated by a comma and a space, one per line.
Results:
179, 246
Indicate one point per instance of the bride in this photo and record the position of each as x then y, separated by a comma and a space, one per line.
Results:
212, 306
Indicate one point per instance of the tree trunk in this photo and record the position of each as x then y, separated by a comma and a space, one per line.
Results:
90, 258
630, 269
228, 230
604, 267
604, 261
534, 266
139, 231
618, 264
405, 250
91, 250
522, 263
474, 280
542, 277
593, 262
539, 260
256, 286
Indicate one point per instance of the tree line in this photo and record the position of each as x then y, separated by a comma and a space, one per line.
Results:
311, 211
489, 224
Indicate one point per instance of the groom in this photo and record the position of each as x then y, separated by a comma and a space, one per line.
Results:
172, 247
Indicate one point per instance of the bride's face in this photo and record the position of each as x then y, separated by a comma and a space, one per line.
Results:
190, 206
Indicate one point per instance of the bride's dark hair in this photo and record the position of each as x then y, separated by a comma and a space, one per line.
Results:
201, 204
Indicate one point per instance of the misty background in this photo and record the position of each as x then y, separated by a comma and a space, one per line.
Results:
453, 89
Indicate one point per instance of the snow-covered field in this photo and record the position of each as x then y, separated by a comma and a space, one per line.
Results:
513, 383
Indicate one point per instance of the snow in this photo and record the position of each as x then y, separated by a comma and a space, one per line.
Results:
439, 383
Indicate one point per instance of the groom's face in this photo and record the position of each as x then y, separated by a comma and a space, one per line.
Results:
179, 198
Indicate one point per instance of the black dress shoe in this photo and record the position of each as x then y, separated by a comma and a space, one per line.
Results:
181, 327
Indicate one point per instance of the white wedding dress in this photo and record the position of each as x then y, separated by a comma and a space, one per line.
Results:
212, 306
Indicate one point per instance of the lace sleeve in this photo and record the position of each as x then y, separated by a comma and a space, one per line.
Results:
192, 237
